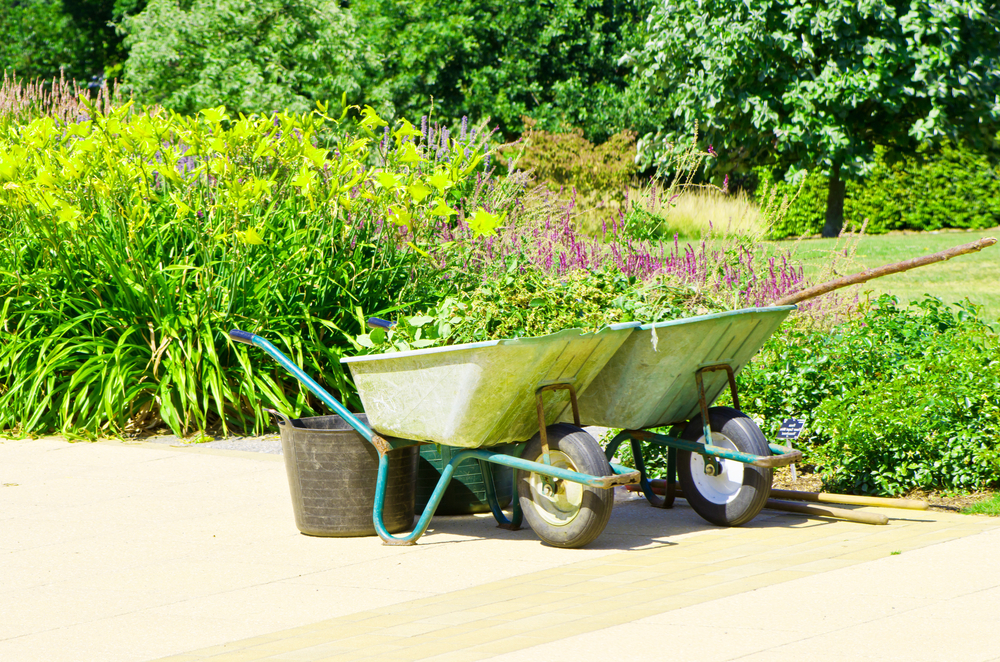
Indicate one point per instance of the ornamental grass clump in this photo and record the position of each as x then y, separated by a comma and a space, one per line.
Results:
133, 240
22, 101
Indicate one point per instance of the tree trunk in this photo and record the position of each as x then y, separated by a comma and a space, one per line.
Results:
834, 204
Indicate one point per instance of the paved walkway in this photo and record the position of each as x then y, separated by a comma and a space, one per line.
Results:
138, 552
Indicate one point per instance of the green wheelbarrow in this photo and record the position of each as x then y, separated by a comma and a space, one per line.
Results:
470, 398
533, 394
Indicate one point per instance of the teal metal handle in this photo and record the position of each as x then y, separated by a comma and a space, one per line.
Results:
311, 384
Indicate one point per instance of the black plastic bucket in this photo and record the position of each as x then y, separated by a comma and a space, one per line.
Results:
466, 492
332, 471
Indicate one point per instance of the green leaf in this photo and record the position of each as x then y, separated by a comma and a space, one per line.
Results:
420, 320
250, 236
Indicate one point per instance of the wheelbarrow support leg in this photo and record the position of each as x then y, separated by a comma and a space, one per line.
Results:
516, 517
425, 517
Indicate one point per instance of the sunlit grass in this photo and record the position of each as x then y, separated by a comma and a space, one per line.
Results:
989, 507
698, 212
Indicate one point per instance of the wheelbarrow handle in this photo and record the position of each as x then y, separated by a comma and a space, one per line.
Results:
300, 374
377, 322
244, 337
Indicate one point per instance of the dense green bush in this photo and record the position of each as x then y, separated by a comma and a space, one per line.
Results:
556, 61
946, 187
894, 400
568, 160
73, 38
39, 41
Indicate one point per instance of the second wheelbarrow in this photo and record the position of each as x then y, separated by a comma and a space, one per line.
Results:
668, 374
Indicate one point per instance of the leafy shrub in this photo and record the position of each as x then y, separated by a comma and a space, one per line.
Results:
954, 187
894, 400
557, 62
805, 216
42, 39
568, 160
131, 241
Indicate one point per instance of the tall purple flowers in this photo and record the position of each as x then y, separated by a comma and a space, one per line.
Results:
742, 272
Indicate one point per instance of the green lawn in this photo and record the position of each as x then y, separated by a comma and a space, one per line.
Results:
975, 276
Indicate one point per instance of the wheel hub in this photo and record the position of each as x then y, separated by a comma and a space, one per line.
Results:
720, 486
557, 502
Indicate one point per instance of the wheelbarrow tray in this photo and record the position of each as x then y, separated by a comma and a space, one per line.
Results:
650, 381
479, 394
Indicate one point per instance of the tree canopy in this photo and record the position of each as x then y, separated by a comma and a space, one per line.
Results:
249, 55
555, 61
44, 39
817, 84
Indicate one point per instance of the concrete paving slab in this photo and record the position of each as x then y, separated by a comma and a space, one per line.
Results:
116, 551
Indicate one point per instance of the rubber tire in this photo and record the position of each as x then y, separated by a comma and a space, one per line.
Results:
747, 437
595, 510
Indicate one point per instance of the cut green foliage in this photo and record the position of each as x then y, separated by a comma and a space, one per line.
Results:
525, 302
894, 400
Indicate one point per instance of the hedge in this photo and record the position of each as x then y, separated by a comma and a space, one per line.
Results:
950, 186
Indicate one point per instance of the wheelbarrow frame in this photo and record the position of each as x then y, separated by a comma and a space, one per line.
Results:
627, 395
603, 405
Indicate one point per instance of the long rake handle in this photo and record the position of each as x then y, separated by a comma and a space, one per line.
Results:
878, 272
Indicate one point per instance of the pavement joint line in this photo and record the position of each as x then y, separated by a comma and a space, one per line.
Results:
590, 595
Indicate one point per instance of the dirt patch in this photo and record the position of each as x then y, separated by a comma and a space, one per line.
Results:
811, 482
804, 482
952, 503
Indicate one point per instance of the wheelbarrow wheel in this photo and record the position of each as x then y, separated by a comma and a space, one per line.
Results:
739, 491
560, 512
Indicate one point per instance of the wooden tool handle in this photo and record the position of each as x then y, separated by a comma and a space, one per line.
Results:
827, 511
878, 272
849, 499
